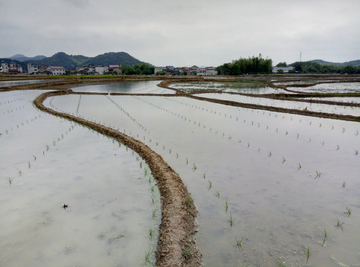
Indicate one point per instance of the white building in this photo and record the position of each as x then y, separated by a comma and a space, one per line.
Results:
32, 69
56, 70
284, 69
101, 69
4, 67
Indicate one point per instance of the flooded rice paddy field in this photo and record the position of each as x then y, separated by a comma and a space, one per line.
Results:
237, 87
138, 87
274, 182
355, 100
355, 111
45, 163
330, 88
21, 82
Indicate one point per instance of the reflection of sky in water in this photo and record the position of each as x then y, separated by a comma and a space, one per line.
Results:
12, 83
138, 87
277, 208
245, 88
106, 192
337, 99
355, 111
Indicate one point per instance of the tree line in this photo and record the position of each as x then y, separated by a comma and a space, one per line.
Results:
246, 66
317, 68
137, 69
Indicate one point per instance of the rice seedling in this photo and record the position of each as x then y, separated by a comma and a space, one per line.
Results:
343, 131
258, 149
34, 157
150, 177
204, 175
309, 140
357, 133
343, 184
318, 174
147, 256
217, 194
226, 205
187, 253
347, 212
283, 160
238, 243
286, 133
307, 250
29, 165
194, 167
10, 181
47, 147
152, 188
54, 143
153, 200
163, 147
210, 184
339, 225
146, 171
140, 164
299, 167
356, 152
337, 147
269, 155
119, 236
231, 220
43, 152
323, 143
157, 143
189, 200
281, 264
187, 161
154, 213
248, 145
325, 237
169, 151
177, 155
19, 171
127, 148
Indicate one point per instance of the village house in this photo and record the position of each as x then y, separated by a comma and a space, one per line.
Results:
282, 69
101, 69
32, 69
194, 70
56, 70
4, 68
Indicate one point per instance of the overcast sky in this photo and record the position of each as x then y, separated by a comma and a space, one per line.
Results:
183, 32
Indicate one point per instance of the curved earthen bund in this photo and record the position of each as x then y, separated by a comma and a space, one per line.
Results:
178, 219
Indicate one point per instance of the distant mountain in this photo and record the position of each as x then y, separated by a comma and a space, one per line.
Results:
113, 58
72, 61
20, 57
348, 63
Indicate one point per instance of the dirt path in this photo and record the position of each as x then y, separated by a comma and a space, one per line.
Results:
176, 245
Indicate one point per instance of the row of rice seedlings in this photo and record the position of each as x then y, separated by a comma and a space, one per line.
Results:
252, 123
21, 124
231, 220
12, 110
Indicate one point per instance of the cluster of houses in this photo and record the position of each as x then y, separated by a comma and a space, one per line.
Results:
194, 70
11, 68
14, 68
91, 69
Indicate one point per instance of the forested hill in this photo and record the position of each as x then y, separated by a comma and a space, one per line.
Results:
348, 63
67, 61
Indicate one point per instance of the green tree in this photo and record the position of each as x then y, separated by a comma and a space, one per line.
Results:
349, 70
281, 64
